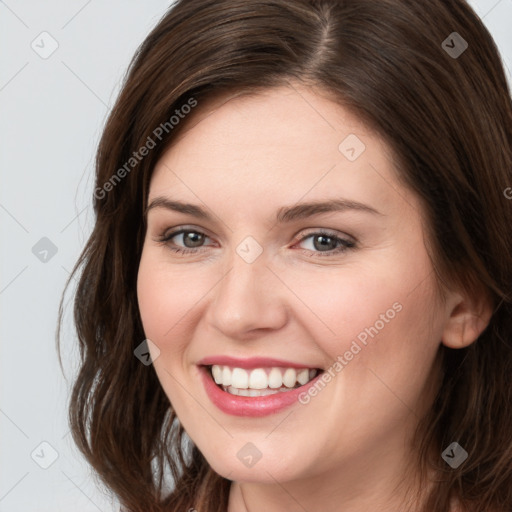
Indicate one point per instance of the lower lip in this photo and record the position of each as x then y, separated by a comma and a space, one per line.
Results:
256, 406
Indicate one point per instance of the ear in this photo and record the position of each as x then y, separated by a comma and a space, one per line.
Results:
468, 316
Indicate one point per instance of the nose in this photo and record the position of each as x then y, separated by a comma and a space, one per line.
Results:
249, 299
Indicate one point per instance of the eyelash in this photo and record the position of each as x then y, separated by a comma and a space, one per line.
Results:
345, 245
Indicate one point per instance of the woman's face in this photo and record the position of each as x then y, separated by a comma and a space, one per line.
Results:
284, 270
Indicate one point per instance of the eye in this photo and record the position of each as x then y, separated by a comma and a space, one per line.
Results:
326, 243
319, 243
184, 240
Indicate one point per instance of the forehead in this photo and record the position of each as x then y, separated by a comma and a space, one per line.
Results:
286, 143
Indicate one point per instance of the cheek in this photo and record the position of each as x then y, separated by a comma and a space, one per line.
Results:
379, 318
167, 300
343, 305
382, 349
167, 304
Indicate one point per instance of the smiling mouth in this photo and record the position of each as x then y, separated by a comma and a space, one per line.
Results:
260, 381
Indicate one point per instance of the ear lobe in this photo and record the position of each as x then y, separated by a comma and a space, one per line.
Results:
468, 319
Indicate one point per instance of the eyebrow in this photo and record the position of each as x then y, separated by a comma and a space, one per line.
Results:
284, 214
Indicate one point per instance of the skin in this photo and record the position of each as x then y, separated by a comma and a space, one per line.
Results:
242, 158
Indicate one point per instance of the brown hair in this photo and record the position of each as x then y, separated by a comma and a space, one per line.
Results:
448, 120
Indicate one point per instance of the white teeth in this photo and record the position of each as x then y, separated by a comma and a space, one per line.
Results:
275, 378
217, 374
303, 376
239, 378
289, 377
252, 392
260, 381
226, 376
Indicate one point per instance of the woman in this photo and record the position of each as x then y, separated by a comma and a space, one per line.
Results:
302, 222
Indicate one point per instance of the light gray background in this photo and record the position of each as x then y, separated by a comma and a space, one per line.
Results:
52, 113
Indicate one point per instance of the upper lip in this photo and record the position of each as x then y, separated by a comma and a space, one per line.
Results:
251, 362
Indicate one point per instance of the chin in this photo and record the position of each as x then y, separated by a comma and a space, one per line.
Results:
260, 471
